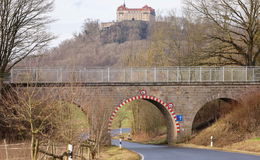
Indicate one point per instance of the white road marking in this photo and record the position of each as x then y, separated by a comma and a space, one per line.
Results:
141, 155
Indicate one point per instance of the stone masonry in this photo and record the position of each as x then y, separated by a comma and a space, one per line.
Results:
188, 98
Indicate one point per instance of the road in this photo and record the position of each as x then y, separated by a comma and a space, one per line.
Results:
115, 132
164, 152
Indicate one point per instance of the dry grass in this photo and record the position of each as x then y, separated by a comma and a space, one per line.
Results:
252, 145
114, 153
15, 152
235, 128
144, 139
22, 151
225, 149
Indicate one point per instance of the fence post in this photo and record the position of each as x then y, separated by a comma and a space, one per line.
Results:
6, 151
80, 76
124, 75
246, 74
253, 74
34, 75
108, 74
200, 75
223, 74
189, 74
61, 78
89, 157
178, 74
232, 75
210, 75
102, 76
12, 76
146, 75
37, 74
131, 74
154, 75
168, 75
57, 75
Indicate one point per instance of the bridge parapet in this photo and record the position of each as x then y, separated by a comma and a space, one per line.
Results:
135, 75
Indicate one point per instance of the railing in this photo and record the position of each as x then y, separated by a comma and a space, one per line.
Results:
133, 75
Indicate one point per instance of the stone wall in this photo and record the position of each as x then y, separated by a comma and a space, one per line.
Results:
188, 98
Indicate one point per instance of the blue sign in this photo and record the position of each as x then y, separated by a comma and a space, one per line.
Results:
179, 118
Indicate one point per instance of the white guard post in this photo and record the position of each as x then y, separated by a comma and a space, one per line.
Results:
120, 140
70, 152
211, 141
120, 143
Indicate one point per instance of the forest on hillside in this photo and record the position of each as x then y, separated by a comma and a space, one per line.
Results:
94, 47
166, 42
198, 37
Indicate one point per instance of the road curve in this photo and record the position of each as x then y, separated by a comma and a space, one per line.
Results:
164, 152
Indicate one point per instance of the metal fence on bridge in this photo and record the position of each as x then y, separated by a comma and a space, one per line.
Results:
133, 75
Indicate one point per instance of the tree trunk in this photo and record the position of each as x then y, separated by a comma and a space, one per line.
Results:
1, 85
34, 148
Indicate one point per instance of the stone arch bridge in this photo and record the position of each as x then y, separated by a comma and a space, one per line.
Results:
174, 91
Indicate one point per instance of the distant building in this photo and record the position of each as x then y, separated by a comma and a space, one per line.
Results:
123, 13
142, 14
106, 25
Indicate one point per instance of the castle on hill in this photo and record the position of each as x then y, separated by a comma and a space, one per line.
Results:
123, 13
141, 14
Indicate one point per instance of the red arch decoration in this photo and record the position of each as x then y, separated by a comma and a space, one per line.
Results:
166, 105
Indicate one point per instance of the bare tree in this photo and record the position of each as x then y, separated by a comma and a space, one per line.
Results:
98, 114
233, 31
29, 111
22, 29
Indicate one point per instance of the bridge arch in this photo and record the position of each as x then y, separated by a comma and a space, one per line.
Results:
167, 109
212, 110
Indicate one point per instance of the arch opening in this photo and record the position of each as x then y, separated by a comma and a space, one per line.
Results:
211, 112
166, 109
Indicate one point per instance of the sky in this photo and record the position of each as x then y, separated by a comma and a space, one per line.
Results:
71, 14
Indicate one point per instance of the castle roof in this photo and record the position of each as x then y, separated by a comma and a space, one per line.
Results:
144, 8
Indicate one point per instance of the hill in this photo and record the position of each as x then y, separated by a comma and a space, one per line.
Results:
95, 47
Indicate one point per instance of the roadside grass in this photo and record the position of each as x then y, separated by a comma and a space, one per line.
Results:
252, 145
115, 153
224, 149
144, 138
256, 139
158, 140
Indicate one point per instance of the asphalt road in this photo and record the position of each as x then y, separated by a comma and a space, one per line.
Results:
114, 132
164, 152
